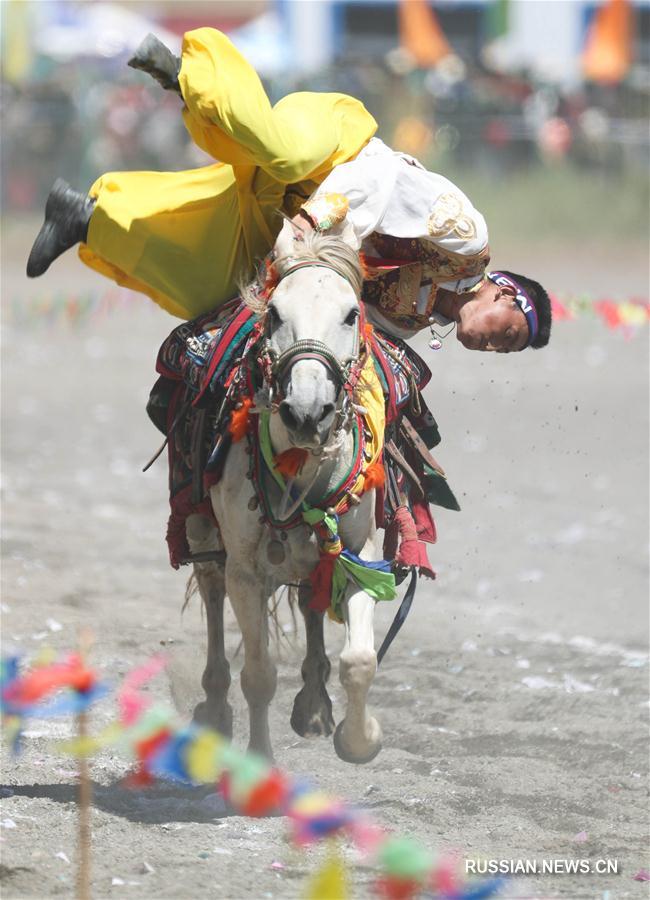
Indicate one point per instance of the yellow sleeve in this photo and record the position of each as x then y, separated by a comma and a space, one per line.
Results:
229, 115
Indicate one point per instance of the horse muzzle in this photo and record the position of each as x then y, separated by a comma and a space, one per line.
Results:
311, 381
308, 423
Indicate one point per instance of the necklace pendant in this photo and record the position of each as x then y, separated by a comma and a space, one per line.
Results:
275, 552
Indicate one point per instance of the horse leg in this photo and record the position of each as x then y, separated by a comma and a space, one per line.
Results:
312, 708
357, 738
214, 711
258, 676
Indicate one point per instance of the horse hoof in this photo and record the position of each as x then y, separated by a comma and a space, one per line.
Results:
359, 759
218, 718
315, 722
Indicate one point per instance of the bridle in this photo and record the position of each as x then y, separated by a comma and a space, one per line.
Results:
344, 372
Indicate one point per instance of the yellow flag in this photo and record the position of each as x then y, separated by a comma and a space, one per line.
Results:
17, 54
202, 757
331, 882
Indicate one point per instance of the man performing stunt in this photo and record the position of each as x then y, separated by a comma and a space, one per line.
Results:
187, 239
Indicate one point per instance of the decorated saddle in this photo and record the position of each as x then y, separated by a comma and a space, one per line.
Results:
201, 402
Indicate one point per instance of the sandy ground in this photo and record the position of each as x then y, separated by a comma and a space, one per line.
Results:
514, 703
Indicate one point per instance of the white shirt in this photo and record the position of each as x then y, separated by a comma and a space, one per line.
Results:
392, 193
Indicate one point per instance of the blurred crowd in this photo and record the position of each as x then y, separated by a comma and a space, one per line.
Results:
85, 119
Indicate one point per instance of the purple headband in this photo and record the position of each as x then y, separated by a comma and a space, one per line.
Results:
523, 300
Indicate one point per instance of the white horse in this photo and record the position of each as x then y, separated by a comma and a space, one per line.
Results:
316, 300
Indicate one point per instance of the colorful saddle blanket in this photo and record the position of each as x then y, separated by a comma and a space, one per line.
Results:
188, 404
199, 353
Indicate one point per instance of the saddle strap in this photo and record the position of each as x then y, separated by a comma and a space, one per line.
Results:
400, 460
416, 442
197, 454
400, 616
218, 556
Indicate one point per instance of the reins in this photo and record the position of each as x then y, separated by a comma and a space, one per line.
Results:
275, 367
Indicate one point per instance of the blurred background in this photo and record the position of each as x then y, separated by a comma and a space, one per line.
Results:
538, 109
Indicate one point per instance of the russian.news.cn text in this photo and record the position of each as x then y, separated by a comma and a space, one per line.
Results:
541, 866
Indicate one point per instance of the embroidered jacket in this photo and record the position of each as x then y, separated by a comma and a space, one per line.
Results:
417, 230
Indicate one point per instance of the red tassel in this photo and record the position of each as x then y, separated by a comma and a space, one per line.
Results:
239, 420
321, 582
290, 463
374, 476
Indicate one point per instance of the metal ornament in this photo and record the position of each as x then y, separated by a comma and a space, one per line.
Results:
275, 552
436, 342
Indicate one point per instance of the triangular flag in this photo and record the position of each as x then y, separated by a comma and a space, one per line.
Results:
330, 882
421, 35
608, 52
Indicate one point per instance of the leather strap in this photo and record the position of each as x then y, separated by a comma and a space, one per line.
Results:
414, 439
400, 616
397, 456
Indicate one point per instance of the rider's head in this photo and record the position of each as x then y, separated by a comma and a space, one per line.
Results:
507, 313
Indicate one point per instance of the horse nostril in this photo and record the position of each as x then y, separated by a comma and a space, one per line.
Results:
287, 416
328, 409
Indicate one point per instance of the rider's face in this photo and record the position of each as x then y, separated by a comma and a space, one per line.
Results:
492, 320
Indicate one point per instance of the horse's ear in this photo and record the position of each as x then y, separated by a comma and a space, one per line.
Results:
346, 232
289, 234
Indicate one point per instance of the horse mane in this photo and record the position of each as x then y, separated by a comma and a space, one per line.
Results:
327, 248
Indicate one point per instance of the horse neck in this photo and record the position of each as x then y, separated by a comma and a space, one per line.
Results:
325, 471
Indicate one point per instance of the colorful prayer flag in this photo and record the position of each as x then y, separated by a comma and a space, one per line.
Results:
421, 35
608, 51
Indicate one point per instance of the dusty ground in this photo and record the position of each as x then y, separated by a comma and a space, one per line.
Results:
514, 703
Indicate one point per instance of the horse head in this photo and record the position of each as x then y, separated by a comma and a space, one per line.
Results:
312, 322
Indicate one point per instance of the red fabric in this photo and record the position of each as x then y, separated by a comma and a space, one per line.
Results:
321, 582
268, 797
424, 521
393, 887
412, 552
145, 750
182, 507
609, 312
290, 462
46, 679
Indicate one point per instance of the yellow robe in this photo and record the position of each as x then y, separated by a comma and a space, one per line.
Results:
186, 239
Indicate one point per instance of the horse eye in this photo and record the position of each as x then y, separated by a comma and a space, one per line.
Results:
351, 317
273, 317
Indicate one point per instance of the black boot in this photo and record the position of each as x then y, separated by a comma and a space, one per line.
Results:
67, 214
153, 57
